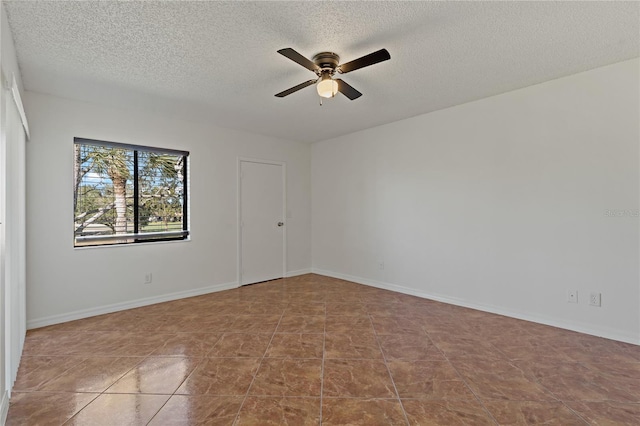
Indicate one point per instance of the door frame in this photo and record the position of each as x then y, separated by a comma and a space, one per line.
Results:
241, 160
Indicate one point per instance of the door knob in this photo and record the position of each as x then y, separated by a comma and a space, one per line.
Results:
280, 223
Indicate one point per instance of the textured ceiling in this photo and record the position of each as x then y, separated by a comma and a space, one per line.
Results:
217, 61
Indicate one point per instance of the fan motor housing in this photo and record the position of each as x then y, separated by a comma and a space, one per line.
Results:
327, 60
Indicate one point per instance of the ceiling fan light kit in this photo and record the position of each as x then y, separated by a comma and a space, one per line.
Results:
325, 65
327, 87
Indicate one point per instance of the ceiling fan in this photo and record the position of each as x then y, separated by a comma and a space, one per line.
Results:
325, 65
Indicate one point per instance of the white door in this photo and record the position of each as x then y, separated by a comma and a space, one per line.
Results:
262, 227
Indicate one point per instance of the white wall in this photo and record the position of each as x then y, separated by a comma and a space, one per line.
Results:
499, 204
65, 283
12, 220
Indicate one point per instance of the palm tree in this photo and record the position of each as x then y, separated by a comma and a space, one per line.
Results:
112, 162
161, 187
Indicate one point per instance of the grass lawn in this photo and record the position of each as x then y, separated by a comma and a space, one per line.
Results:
161, 227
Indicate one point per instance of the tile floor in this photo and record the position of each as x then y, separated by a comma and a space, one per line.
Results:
315, 350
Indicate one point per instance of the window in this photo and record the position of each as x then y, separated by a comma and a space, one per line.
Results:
126, 194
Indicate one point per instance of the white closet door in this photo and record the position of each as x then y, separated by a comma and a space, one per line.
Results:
262, 225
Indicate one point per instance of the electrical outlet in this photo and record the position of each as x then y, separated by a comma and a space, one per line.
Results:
572, 296
595, 299
148, 278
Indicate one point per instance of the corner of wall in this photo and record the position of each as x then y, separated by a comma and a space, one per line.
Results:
297, 272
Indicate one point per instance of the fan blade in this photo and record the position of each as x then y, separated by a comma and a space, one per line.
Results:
365, 61
347, 90
295, 88
296, 57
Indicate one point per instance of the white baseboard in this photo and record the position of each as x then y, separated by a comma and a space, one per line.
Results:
4, 407
298, 272
580, 328
107, 309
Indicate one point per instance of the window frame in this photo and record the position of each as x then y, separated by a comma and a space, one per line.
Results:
138, 237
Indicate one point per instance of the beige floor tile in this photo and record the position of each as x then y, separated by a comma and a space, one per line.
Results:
269, 353
276, 411
221, 376
526, 413
119, 409
357, 378
36, 371
182, 410
45, 408
293, 345
428, 380
362, 412
607, 413
292, 323
288, 377
358, 344
240, 345
445, 413
409, 347
341, 324
94, 374
155, 375
188, 344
